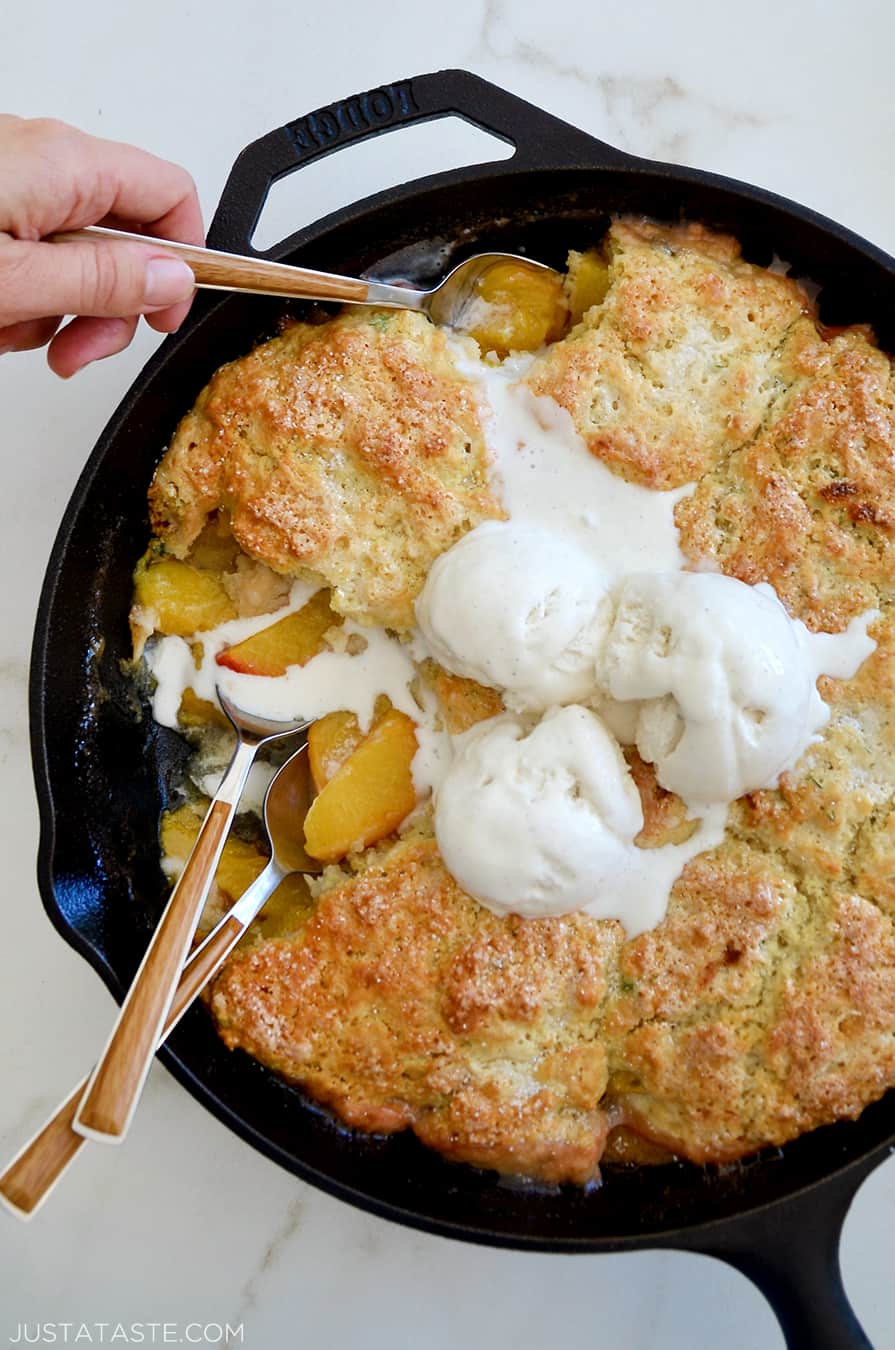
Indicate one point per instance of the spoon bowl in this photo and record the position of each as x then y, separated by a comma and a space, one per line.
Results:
253, 729
286, 803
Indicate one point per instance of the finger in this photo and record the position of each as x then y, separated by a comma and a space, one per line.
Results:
24, 337
86, 340
186, 226
169, 320
53, 177
103, 280
182, 225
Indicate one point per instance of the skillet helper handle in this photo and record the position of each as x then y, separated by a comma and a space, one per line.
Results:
541, 141
790, 1251
232, 271
34, 1171
115, 1085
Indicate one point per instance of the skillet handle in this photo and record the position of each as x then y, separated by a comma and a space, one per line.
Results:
790, 1251
541, 141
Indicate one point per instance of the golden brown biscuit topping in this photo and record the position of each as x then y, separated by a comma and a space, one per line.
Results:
351, 452
682, 359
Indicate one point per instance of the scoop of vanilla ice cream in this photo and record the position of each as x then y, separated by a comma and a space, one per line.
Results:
725, 679
541, 822
518, 609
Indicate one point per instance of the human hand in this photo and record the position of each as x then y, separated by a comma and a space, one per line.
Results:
53, 177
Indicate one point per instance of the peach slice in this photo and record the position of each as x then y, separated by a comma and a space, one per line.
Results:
181, 598
587, 282
334, 738
522, 309
286, 910
464, 702
178, 830
215, 549
199, 712
331, 741
241, 862
291, 641
370, 794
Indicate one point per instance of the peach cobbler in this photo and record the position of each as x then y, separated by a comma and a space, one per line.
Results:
594, 607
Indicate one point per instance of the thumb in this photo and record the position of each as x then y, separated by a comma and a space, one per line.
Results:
106, 280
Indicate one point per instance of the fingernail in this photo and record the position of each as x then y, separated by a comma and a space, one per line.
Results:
168, 281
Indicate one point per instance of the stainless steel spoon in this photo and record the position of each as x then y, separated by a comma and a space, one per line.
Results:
447, 303
115, 1085
36, 1168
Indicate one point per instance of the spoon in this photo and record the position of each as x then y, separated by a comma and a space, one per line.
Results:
114, 1087
446, 303
37, 1167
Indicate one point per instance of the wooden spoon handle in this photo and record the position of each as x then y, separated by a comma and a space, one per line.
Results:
202, 965
233, 272
37, 1167
114, 1087
116, 1082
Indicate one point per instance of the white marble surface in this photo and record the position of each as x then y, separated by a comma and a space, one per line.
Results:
186, 1223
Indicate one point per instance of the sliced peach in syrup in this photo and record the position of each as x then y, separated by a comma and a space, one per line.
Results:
334, 738
521, 309
370, 794
240, 863
464, 702
181, 598
331, 741
178, 830
198, 712
287, 909
215, 549
587, 282
291, 641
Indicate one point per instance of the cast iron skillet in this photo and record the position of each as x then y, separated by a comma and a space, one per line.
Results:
104, 770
